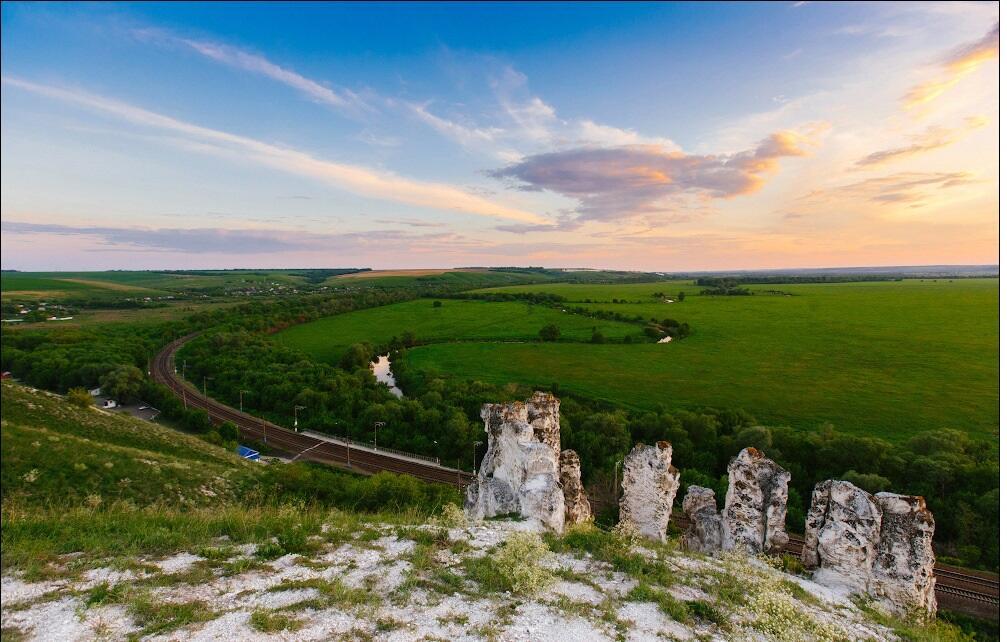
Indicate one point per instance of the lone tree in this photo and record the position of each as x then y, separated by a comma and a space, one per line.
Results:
597, 336
437, 304
681, 297
122, 383
356, 356
549, 333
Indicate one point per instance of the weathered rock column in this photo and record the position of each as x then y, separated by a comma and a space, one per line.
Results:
903, 573
543, 415
842, 534
578, 508
519, 474
703, 534
755, 509
649, 485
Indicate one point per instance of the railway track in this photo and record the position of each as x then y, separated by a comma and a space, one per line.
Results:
957, 589
299, 445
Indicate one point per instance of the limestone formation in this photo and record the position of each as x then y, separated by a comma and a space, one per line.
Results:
519, 473
842, 535
578, 508
543, 415
755, 508
880, 545
903, 572
703, 535
649, 485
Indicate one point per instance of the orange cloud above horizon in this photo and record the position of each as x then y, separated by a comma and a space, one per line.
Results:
954, 67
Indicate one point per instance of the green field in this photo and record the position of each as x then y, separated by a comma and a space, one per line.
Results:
879, 358
457, 320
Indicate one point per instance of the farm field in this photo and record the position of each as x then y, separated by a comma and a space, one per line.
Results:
873, 358
122, 283
457, 320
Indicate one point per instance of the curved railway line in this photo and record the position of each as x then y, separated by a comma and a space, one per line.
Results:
961, 590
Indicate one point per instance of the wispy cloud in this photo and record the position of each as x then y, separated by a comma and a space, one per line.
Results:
229, 241
409, 222
621, 182
340, 98
360, 180
955, 66
933, 138
459, 132
908, 189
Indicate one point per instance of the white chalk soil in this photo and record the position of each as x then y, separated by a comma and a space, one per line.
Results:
385, 590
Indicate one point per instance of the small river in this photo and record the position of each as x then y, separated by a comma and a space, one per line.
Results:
383, 373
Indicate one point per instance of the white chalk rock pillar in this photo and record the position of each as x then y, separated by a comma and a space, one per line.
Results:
703, 535
903, 577
519, 474
649, 486
755, 509
842, 534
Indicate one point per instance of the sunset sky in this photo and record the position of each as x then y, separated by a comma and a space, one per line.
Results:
647, 136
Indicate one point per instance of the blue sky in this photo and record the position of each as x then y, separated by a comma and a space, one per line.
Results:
643, 136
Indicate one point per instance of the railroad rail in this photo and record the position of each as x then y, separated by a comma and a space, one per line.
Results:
332, 450
958, 589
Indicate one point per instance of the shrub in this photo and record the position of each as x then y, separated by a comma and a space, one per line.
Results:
518, 563
452, 516
80, 397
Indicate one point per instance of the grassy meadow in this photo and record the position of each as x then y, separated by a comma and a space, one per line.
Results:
873, 358
456, 320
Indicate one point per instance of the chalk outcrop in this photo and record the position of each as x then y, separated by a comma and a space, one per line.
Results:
879, 545
903, 577
755, 508
578, 508
842, 535
649, 486
519, 473
543, 415
704, 533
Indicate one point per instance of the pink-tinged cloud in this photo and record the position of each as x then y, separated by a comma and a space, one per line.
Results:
954, 67
933, 138
621, 182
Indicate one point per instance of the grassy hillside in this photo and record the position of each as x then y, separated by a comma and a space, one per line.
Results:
880, 358
456, 320
55, 451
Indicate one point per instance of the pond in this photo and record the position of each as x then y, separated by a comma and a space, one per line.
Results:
382, 370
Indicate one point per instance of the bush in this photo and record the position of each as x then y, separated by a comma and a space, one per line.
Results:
550, 332
518, 563
80, 397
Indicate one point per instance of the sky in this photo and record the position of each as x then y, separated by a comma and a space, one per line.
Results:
659, 137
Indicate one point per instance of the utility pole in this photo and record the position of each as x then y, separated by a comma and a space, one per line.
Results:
204, 384
241, 400
475, 445
264, 431
296, 408
377, 424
